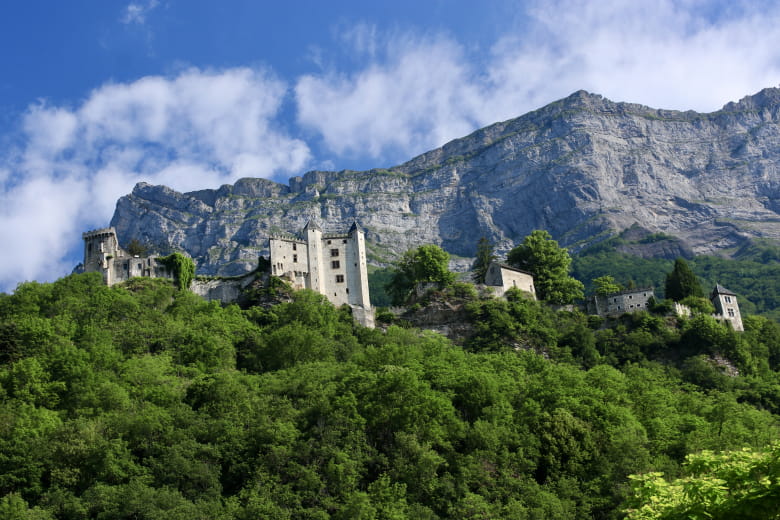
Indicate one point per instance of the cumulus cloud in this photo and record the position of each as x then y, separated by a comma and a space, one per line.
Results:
422, 93
418, 92
198, 129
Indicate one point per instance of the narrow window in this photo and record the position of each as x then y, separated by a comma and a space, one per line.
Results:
295, 246
339, 278
344, 241
731, 313
295, 259
335, 264
334, 252
728, 299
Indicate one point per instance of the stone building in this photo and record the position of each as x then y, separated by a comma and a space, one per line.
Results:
726, 307
615, 304
332, 264
502, 277
103, 254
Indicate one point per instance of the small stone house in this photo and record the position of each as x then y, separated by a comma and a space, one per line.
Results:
502, 277
615, 304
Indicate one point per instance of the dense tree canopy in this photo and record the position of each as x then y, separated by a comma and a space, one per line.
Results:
606, 285
143, 401
550, 265
741, 484
428, 263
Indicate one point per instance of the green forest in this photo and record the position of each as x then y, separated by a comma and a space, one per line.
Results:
143, 401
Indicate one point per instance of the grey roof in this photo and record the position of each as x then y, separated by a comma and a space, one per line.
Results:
355, 227
719, 289
632, 291
313, 225
507, 266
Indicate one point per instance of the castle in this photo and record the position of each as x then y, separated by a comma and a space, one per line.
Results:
332, 264
102, 254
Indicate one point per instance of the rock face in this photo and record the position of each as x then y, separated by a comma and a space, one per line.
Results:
583, 168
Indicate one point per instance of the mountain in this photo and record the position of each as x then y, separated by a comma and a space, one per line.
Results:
584, 168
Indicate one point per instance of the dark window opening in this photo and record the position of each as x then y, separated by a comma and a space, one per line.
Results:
334, 252
339, 278
335, 264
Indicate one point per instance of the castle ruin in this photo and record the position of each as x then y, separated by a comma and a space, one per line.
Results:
103, 254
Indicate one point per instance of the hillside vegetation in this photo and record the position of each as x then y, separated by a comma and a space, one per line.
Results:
753, 273
143, 401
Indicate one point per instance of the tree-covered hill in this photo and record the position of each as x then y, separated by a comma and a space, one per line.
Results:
142, 401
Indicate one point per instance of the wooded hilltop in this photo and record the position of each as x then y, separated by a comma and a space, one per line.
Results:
142, 400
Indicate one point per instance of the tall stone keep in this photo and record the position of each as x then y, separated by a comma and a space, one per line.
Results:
726, 306
332, 264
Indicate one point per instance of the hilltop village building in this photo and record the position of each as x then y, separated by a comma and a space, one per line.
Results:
502, 277
102, 254
332, 264
633, 300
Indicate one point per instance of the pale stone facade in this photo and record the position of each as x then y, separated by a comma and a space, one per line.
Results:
332, 264
726, 307
103, 254
615, 304
502, 277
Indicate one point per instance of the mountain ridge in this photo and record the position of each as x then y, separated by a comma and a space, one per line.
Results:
583, 167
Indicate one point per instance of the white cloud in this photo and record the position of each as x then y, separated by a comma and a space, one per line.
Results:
136, 12
196, 130
418, 92
421, 96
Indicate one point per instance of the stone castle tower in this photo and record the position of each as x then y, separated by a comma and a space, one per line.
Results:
726, 306
332, 264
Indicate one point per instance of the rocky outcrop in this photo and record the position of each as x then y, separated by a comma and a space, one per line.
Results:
584, 168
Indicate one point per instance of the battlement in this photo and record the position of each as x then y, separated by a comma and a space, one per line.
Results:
332, 264
97, 233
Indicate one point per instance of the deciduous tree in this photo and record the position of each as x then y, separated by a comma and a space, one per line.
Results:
550, 265
428, 263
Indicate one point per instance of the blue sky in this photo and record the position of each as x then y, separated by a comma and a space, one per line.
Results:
98, 95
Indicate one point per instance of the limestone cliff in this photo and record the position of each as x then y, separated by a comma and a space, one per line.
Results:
583, 168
